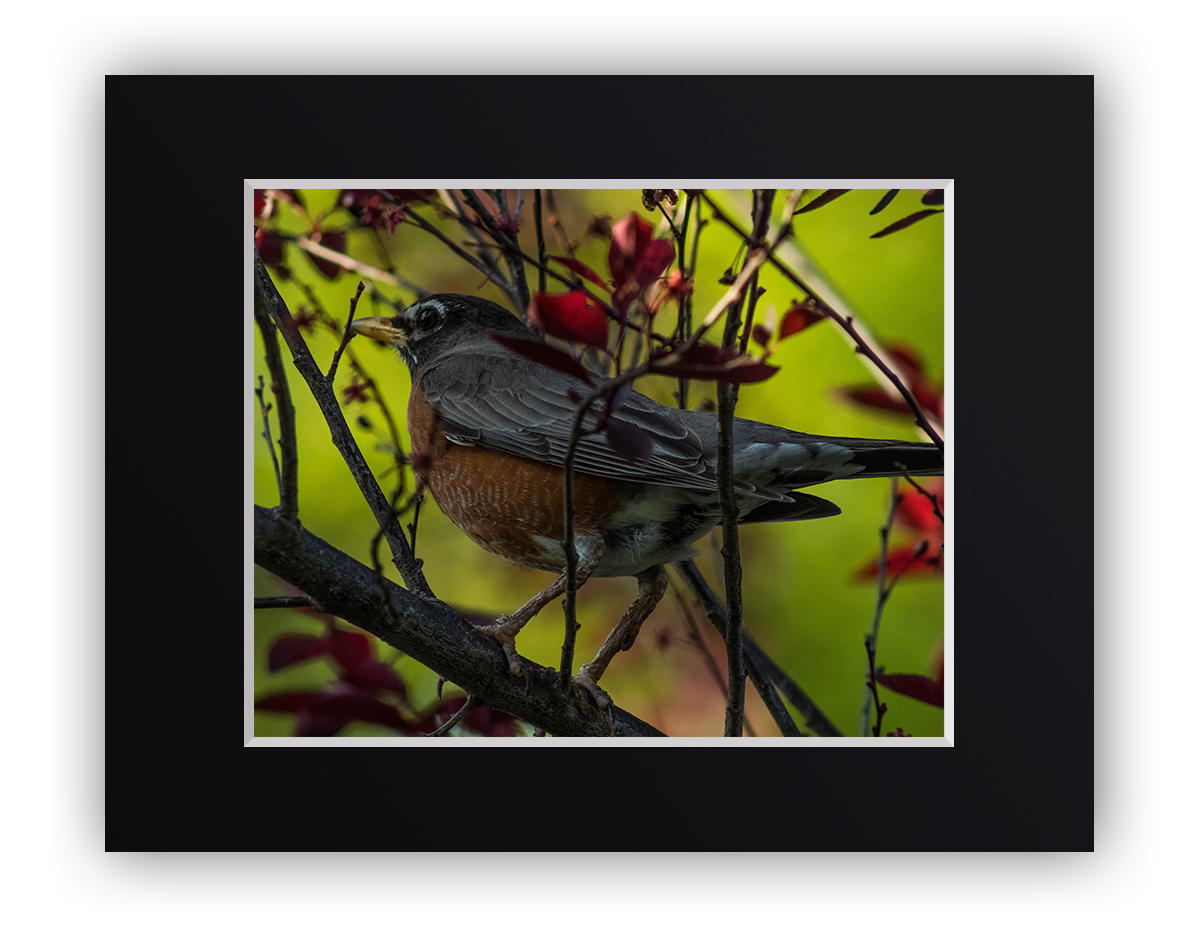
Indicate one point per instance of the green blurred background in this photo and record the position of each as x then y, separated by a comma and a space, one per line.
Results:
802, 602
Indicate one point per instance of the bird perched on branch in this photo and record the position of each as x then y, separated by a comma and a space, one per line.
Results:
490, 429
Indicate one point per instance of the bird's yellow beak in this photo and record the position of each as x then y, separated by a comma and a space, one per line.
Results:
381, 329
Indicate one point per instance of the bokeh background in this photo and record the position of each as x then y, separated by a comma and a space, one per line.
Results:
804, 601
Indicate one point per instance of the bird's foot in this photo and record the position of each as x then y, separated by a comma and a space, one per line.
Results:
503, 632
588, 680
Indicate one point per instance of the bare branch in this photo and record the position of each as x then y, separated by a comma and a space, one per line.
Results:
429, 631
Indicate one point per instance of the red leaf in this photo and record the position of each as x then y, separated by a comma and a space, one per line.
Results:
751, 371
323, 714
678, 286
652, 261
704, 353
916, 509
876, 398
270, 247
570, 316
797, 319
909, 365
707, 362
350, 649
334, 241
374, 676
904, 561
635, 259
628, 237
919, 687
545, 354
290, 648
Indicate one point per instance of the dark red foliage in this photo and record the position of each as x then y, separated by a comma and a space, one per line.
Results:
544, 354
635, 259
708, 362
572, 316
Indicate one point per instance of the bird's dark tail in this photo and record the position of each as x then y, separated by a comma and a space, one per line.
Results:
797, 506
809, 459
894, 458
827, 459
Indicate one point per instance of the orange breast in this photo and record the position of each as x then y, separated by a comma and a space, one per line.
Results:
504, 503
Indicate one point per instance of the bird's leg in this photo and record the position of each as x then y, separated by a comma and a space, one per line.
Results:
651, 586
590, 551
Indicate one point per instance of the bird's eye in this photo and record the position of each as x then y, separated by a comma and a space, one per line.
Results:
428, 318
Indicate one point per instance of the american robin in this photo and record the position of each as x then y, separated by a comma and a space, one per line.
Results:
490, 428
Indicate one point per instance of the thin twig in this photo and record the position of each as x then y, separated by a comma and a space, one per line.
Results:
871, 688
928, 495
283, 601
871, 641
346, 334
268, 324
266, 407
453, 721
686, 303
536, 211
735, 713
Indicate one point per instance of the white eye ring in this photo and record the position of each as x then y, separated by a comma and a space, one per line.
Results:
428, 318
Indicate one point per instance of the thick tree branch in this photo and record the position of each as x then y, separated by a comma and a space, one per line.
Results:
429, 631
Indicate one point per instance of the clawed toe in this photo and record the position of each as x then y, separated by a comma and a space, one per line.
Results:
589, 682
502, 634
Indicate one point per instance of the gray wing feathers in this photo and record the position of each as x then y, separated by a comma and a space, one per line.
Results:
533, 419
534, 422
